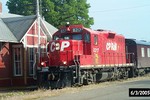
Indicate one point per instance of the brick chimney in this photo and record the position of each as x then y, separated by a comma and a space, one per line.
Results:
0, 6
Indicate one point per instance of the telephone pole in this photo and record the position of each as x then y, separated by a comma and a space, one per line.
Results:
38, 20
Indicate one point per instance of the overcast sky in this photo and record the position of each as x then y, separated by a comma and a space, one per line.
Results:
128, 17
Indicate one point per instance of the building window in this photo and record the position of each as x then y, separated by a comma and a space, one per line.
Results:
148, 52
142, 52
17, 57
31, 60
95, 39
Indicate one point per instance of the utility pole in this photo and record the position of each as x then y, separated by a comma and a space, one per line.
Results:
38, 19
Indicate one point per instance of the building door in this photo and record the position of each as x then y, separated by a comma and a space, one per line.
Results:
17, 60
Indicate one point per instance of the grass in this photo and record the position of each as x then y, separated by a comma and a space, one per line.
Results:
41, 93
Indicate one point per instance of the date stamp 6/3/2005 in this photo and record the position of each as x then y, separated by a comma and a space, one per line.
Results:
139, 92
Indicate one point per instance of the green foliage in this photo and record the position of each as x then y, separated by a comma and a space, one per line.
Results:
56, 12
22, 7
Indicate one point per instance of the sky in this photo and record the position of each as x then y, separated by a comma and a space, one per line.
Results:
130, 18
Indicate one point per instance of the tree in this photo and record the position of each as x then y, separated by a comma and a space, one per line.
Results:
56, 12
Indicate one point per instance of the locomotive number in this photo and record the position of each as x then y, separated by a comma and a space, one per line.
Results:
111, 46
63, 30
77, 29
56, 46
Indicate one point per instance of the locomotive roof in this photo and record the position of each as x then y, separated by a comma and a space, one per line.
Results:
101, 31
139, 42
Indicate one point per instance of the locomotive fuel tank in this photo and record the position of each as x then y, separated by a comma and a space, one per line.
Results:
103, 76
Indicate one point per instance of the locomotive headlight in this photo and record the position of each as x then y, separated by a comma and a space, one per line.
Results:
64, 62
43, 64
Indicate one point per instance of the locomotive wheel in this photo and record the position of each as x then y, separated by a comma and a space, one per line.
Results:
86, 82
131, 72
87, 78
43, 81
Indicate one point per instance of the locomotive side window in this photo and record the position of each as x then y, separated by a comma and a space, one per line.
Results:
87, 37
95, 39
142, 52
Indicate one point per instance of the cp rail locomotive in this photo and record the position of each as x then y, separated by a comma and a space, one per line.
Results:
77, 56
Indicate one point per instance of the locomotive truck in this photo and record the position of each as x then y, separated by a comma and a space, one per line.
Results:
78, 56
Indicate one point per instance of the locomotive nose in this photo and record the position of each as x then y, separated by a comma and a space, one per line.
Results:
62, 52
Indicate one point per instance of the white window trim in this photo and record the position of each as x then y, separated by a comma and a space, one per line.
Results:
148, 52
142, 52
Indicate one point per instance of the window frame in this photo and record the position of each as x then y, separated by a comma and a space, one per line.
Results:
143, 52
148, 52
87, 37
17, 61
31, 52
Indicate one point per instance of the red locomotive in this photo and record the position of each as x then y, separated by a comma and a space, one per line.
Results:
79, 55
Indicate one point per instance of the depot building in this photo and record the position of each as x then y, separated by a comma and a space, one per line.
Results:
18, 47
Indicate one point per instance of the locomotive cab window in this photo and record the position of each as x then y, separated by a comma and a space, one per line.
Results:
77, 36
95, 40
66, 37
72, 36
87, 37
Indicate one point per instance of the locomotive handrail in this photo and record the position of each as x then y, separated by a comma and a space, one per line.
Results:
76, 60
77, 63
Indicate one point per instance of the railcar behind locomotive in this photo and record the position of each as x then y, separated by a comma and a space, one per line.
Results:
141, 51
79, 55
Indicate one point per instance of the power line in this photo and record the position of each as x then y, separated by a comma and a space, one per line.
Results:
119, 9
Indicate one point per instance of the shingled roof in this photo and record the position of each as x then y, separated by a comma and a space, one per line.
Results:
13, 28
5, 33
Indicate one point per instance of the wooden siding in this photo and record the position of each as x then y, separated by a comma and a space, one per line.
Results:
32, 37
30, 40
5, 65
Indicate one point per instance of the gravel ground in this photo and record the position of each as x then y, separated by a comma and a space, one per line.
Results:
41, 93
